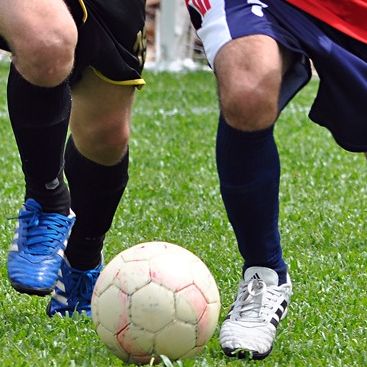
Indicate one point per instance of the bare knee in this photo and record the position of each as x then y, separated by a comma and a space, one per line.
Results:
46, 59
249, 107
104, 142
249, 73
112, 141
100, 118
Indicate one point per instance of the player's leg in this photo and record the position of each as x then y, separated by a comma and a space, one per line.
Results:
249, 72
96, 157
96, 165
98, 148
41, 36
256, 78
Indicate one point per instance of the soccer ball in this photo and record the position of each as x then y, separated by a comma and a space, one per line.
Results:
155, 299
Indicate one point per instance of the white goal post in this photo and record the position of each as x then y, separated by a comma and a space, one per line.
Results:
175, 41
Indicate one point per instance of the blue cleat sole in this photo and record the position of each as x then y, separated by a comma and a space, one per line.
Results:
42, 292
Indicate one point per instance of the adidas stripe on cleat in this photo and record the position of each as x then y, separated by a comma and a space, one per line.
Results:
35, 255
250, 327
73, 291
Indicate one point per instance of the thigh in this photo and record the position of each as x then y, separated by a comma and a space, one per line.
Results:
261, 45
251, 62
250, 72
101, 113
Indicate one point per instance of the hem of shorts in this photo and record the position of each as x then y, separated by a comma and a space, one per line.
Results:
350, 147
84, 9
353, 148
279, 41
258, 33
139, 83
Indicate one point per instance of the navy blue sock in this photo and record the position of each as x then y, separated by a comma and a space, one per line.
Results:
249, 171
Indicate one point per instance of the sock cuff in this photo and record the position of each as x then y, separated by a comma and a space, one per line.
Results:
238, 135
93, 174
41, 106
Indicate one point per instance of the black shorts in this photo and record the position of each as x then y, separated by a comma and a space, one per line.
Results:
111, 39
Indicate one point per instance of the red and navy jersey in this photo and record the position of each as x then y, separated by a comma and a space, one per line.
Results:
347, 16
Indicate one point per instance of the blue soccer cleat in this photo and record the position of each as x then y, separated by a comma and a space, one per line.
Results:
36, 253
73, 291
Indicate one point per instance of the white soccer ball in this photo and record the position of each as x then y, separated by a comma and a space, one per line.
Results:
155, 299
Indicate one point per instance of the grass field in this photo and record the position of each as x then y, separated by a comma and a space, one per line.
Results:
173, 195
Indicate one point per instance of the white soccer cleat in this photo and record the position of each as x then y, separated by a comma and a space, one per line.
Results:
250, 327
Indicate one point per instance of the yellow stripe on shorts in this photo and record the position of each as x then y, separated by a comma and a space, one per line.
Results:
139, 83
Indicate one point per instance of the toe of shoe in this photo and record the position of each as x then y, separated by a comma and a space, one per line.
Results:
255, 340
27, 275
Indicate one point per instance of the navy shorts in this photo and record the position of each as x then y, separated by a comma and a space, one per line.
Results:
341, 62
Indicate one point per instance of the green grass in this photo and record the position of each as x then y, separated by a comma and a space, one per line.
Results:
173, 195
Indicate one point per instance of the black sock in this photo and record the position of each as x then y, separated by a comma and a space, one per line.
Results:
39, 118
84, 253
249, 171
95, 191
54, 197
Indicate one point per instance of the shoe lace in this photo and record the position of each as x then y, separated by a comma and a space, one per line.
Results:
82, 285
42, 231
255, 301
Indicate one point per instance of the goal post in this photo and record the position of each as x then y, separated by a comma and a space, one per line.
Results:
175, 38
